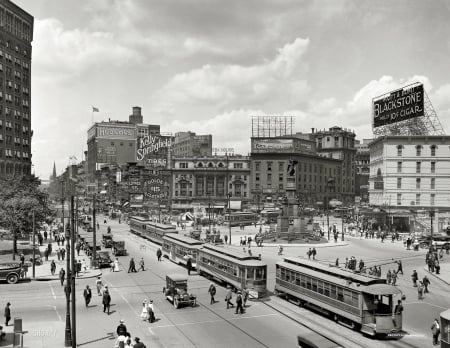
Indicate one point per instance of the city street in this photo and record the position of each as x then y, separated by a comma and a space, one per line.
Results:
270, 323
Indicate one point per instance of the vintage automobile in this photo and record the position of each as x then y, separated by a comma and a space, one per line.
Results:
107, 240
103, 259
119, 248
10, 271
176, 291
439, 241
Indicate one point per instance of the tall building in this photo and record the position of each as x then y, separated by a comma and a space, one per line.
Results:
188, 144
16, 35
362, 171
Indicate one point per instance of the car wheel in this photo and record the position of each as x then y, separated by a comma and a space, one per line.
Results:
194, 303
12, 278
175, 303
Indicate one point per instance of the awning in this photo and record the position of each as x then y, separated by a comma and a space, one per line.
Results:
381, 289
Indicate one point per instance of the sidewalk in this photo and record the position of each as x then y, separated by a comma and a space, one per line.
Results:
43, 273
444, 273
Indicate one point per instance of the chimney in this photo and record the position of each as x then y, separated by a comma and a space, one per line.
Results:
136, 117
312, 130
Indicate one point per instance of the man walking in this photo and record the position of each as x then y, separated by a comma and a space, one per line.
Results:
398, 308
415, 277
99, 285
189, 266
106, 300
239, 303
7, 313
435, 330
132, 266
212, 292
141, 264
53, 267
426, 282
62, 276
228, 298
87, 294
159, 254
399, 267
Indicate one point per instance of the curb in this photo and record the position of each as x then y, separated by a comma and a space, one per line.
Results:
436, 276
274, 245
48, 278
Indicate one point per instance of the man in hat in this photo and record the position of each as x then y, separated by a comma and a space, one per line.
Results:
239, 301
121, 329
7, 313
228, 297
99, 285
138, 343
87, 294
106, 300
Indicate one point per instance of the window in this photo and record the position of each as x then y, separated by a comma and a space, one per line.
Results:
417, 183
269, 166
417, 198
183, 165
419, 150
257, 165
432, 198
433, 167
280, 177
269, 177
433, 183
280, 166
257, 177
399, 167
238, 165
399, 150
399, 199
433, 150
399, 183
418, 164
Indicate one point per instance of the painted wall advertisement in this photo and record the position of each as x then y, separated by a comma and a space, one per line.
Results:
153, 150
156, 187
281, 145
399, 105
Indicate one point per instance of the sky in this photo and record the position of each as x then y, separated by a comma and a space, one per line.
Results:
207, 66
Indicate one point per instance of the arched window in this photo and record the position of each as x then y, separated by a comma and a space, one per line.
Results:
220, 165
433, 150
399, 150
419, 150
210, 165
379, 172
200, 165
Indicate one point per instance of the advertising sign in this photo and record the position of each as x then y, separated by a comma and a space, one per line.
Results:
271, 144
116, 132
156, 187
153, 146
399, 105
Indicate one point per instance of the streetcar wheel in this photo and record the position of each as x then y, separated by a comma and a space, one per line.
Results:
12, 278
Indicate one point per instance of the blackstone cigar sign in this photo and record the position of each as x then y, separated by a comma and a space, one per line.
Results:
400, 105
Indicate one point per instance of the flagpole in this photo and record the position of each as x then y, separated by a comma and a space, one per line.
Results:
92, 115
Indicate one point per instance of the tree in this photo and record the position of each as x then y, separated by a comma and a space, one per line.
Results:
19, 198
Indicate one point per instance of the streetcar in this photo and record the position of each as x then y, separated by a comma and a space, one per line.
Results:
241, 218
138, 225
358, 301
179, 249
155, 232
233, 267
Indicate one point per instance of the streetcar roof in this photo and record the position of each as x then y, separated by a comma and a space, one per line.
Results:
380, 289
177, 277
446, 314
330, 271
233, 255
183, 239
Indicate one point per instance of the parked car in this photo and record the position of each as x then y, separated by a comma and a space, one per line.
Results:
119, 248
176, 291
10, 271
439, 241
107, 240
103, 259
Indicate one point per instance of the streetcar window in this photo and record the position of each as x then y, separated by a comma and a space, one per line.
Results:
355, 299
314, 285
288, 275
333, 291
283, 273
320, 287
326, 289
308, 283
347, 296
278, 275
260, 273
297, 279
303, 281
250, 273
340, 294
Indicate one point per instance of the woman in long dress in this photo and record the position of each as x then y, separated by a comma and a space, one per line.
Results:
144, 312
116, 265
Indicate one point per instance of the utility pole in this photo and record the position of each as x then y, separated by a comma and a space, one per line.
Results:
68, 331
94, 234
431, 227
73, 273
229, 216
34, 249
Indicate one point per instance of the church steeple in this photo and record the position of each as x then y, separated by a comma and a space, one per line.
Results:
54, 171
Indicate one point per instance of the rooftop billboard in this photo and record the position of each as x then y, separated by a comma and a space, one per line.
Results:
400, 105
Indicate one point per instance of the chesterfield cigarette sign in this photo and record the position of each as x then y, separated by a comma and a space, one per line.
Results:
400, 105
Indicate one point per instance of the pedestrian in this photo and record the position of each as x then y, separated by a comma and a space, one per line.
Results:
393, 278
141, 264
120, 342
435, 330
337, 262
87, 294
78, 267
99, 285
245, 296
63, 254
189, 265
398, 308
388, 277
426, 282
399, 267
314, 253
239, 301
22, 259
437, 267
138, 343
346, 262
144, 312
151, 312
121, 329
106, 300
45, 235
62, 275
111, 266
159, 254
132, 266
7, 313
212, 292
415, 277
309, 253
78, 247
46, 254
53, 267
228, 297
420, 288
116, 265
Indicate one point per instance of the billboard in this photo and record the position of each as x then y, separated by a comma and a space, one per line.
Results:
399, 105
272, 144
153, 149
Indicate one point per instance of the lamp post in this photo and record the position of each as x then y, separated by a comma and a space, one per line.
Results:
71, 247
68, 330
209, 212
34, 248
229, 216
431, 229
94, 233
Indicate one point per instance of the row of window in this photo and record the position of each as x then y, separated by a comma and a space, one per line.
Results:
9, 153
180, 250
17, 61
418, 199
14, 168
17, 140
418, 183
305, 167
419, 149
16, 26
418, 167
319, 286
199, 178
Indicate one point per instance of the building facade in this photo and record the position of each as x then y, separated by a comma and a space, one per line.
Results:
188, 144
410, 172
362, 159
210, 181
290, 167
16, 35
339, 143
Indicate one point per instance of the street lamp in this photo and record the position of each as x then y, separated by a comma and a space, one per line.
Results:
68, 330
229, 216
431, 227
